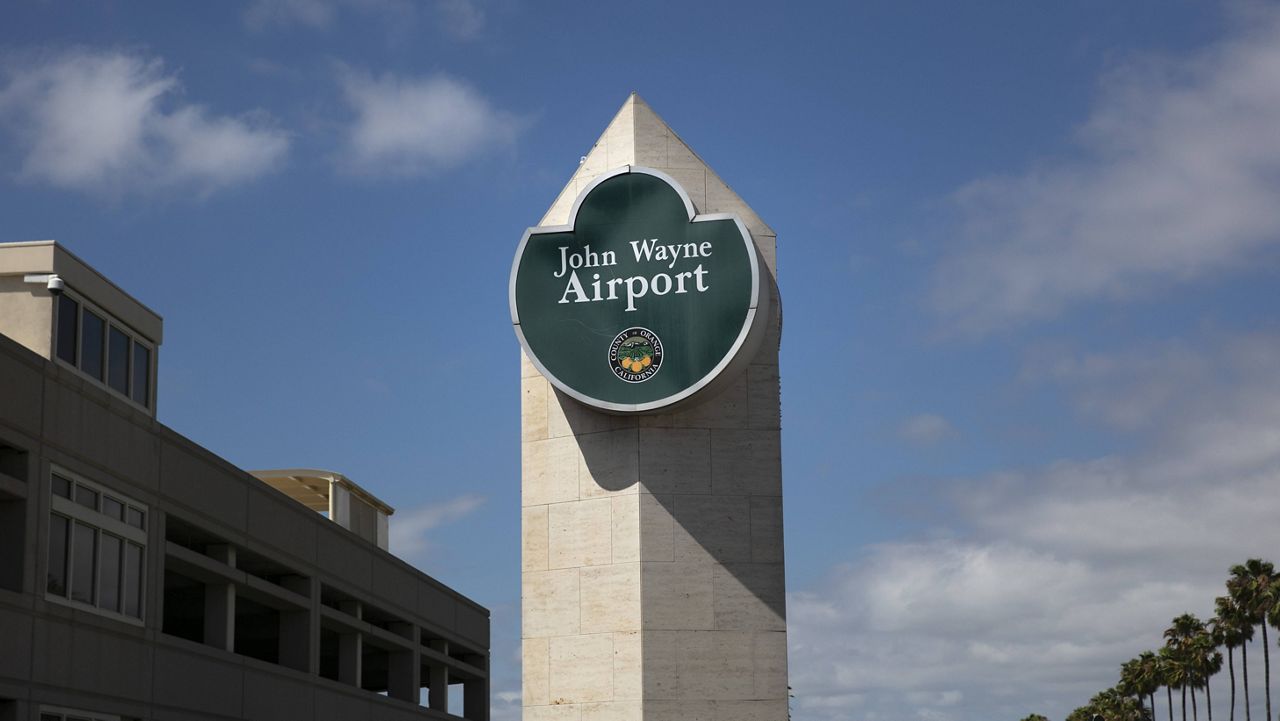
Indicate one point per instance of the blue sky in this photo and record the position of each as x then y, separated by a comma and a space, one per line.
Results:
1027, 253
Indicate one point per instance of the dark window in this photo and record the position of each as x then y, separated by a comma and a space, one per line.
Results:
61, 487
118, 361
135, 518
183, 607
85, 540
50, 717
132, 580
57, 583
87, 497
109, 574
93, 332
141, 374
112, 507
68, 320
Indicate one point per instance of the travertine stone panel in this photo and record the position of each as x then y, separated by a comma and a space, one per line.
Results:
768, 353
609, 463
549, 601
616, 711
611, 598
626, 528
651, 137
661, 677
558, 213
597, 162
766, 529
681, 157
721, 199
553, 713
668, 710
550, 471
678, 596
768, 245
694, 182
726, 410
535, 671
657, 527
534, 533
581, 668
763, 710
580, 533
749, 596
675, 460
715, 665
746, 462
714, 529
763, 401
533, 408
628, 665
771, 664
527, 370
567, 417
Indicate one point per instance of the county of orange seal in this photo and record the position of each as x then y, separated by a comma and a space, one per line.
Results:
635, 355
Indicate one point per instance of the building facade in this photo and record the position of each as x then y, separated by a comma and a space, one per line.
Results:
143, 577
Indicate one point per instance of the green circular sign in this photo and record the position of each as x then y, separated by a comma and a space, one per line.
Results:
639, 304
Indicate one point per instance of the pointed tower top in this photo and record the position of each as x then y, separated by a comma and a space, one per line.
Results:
637, 136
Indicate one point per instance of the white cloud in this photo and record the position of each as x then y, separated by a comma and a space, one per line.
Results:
926, 429
1177, 180
408, 530
107, 122
1042, 582
414, 126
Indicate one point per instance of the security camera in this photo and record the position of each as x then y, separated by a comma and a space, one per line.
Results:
51, 281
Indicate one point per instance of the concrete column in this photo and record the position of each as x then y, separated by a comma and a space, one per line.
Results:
300, 630
220, 604
438, 696
351, 648
154, 560
475, 699
402, 674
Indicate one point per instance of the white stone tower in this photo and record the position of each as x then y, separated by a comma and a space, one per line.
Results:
653, 578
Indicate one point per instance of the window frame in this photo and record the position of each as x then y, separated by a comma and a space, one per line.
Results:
73, 513
109, 321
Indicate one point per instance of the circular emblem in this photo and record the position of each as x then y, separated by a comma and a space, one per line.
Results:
635, 355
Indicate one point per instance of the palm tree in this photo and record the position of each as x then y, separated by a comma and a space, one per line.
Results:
1253, 587
1035, 717
1115, 704
1206, 662
1148, 676
1130, 679
1180, 642
1232, 629
1168, 676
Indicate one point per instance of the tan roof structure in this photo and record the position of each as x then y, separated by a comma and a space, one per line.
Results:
335, 495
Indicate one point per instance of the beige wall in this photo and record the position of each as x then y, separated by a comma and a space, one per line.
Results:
26, 314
